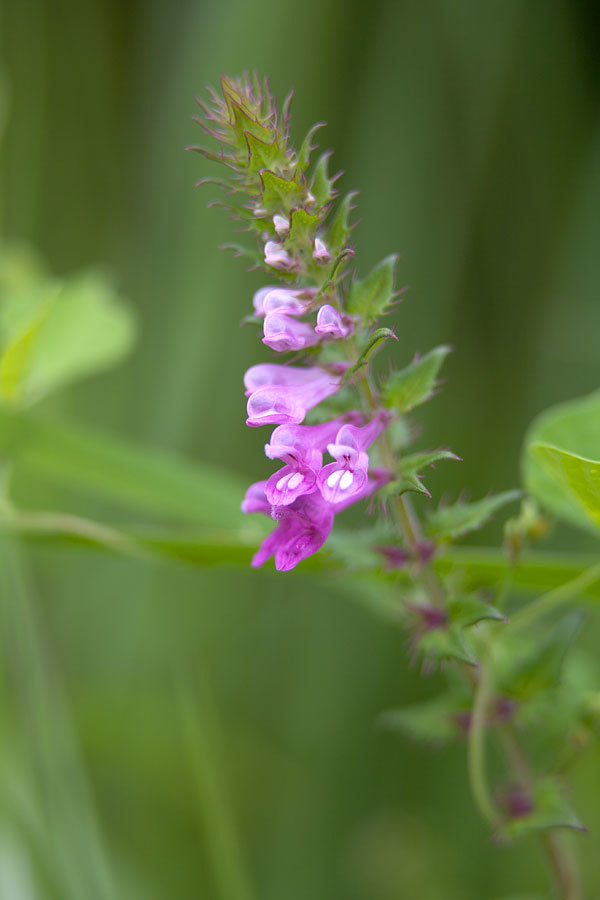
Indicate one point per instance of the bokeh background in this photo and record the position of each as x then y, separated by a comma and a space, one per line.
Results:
169, 731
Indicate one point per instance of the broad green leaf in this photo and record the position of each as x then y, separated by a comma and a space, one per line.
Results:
451, 522
414, 385
87, 329
408, 470
435, 721
119, 471
52, 332
561, 461
575, 474
551, 809
372, 297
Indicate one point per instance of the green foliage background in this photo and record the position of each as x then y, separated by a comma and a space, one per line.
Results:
177, 732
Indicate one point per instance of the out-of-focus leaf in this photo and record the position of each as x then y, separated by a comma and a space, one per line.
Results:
132, 476
439, 644
466, 611
435, 721
551, 809
458, 519
53, 332
415, 384
561, 461
526, 667
322, 185
340, 228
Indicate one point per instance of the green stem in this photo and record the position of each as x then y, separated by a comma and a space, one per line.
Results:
553, 599
476, 748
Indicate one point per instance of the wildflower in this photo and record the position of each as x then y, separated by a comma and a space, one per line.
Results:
277, 257
345, 477
284, 333
321, 254
282, 225
280, 395
301, 447
329, 321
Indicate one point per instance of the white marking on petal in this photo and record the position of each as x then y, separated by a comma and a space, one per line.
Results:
281, 483
295, 480
346, 480
334, 478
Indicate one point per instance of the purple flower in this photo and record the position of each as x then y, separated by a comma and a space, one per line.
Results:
304, 526
342, 479
282, 300
321, 254
329, 321
277, 257
301, 448
281, 395
282, 225
255, 499
284, 333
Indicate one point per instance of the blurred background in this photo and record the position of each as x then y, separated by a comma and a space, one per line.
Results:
178, 732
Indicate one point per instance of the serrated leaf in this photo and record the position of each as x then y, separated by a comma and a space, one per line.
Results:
339, 230
451, 522
415, 461
303, 228
409, 483
468, 610
280, 194
447, 643
557, 479
435, 721
415, 384
551, 809
243, 124
322, 185
307, 147
262, 155
372, 297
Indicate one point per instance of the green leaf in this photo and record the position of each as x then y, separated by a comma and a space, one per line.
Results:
280, 194
339, 230
53, 332
322, 185
561, 461
440, 644
551, 809
307, 147
133, 476
262, 155
408, 470
409, 483
578, 476
372, 297
303, 228
450, 522
414, 385
435, 721
468, 610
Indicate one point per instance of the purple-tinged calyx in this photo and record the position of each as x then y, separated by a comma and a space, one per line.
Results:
301, 448
281, 395
283, 333
277, 257
321, 253
329, 321
347, 475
